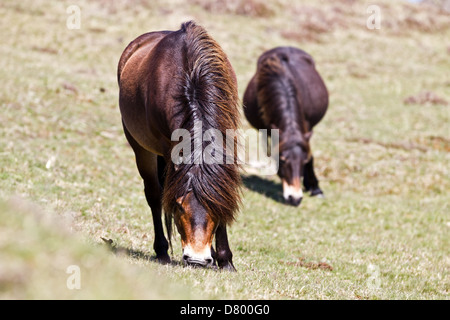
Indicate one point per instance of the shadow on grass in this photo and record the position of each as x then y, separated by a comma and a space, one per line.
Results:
135, 254
265, 187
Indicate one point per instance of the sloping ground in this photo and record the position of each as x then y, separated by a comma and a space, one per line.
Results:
41, 259
381, 154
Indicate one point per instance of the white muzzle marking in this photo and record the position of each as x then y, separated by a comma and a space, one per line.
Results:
291, 191
199, 256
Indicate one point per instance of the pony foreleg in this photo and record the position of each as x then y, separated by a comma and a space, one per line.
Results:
310, 180
223, 252
148, 169
160, 244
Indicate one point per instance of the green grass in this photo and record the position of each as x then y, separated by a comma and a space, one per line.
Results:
383, 164
37, 252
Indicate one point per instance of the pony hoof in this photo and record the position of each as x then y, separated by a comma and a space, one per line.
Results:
163, 259
228, 266
318, 194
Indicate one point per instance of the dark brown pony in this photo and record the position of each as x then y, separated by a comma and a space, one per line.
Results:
172, 80
288, 94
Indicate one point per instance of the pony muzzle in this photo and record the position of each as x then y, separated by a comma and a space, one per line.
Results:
196, 258
292, 194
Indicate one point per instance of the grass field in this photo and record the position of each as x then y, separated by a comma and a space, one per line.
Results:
68, 177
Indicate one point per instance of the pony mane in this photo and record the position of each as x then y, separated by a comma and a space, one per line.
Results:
278, 99
207, 92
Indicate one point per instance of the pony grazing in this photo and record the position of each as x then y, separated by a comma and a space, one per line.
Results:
173, 80
287, 93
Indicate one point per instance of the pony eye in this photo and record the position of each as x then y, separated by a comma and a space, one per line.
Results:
180, 207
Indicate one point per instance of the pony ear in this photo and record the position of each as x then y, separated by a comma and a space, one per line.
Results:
180, 200
308, 135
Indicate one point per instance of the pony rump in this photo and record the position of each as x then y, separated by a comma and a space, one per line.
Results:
207, 92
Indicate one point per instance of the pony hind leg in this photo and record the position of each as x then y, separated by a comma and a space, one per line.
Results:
147, 164
310, 180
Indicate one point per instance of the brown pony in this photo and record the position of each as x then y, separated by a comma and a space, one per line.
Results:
171, 80
288, 94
